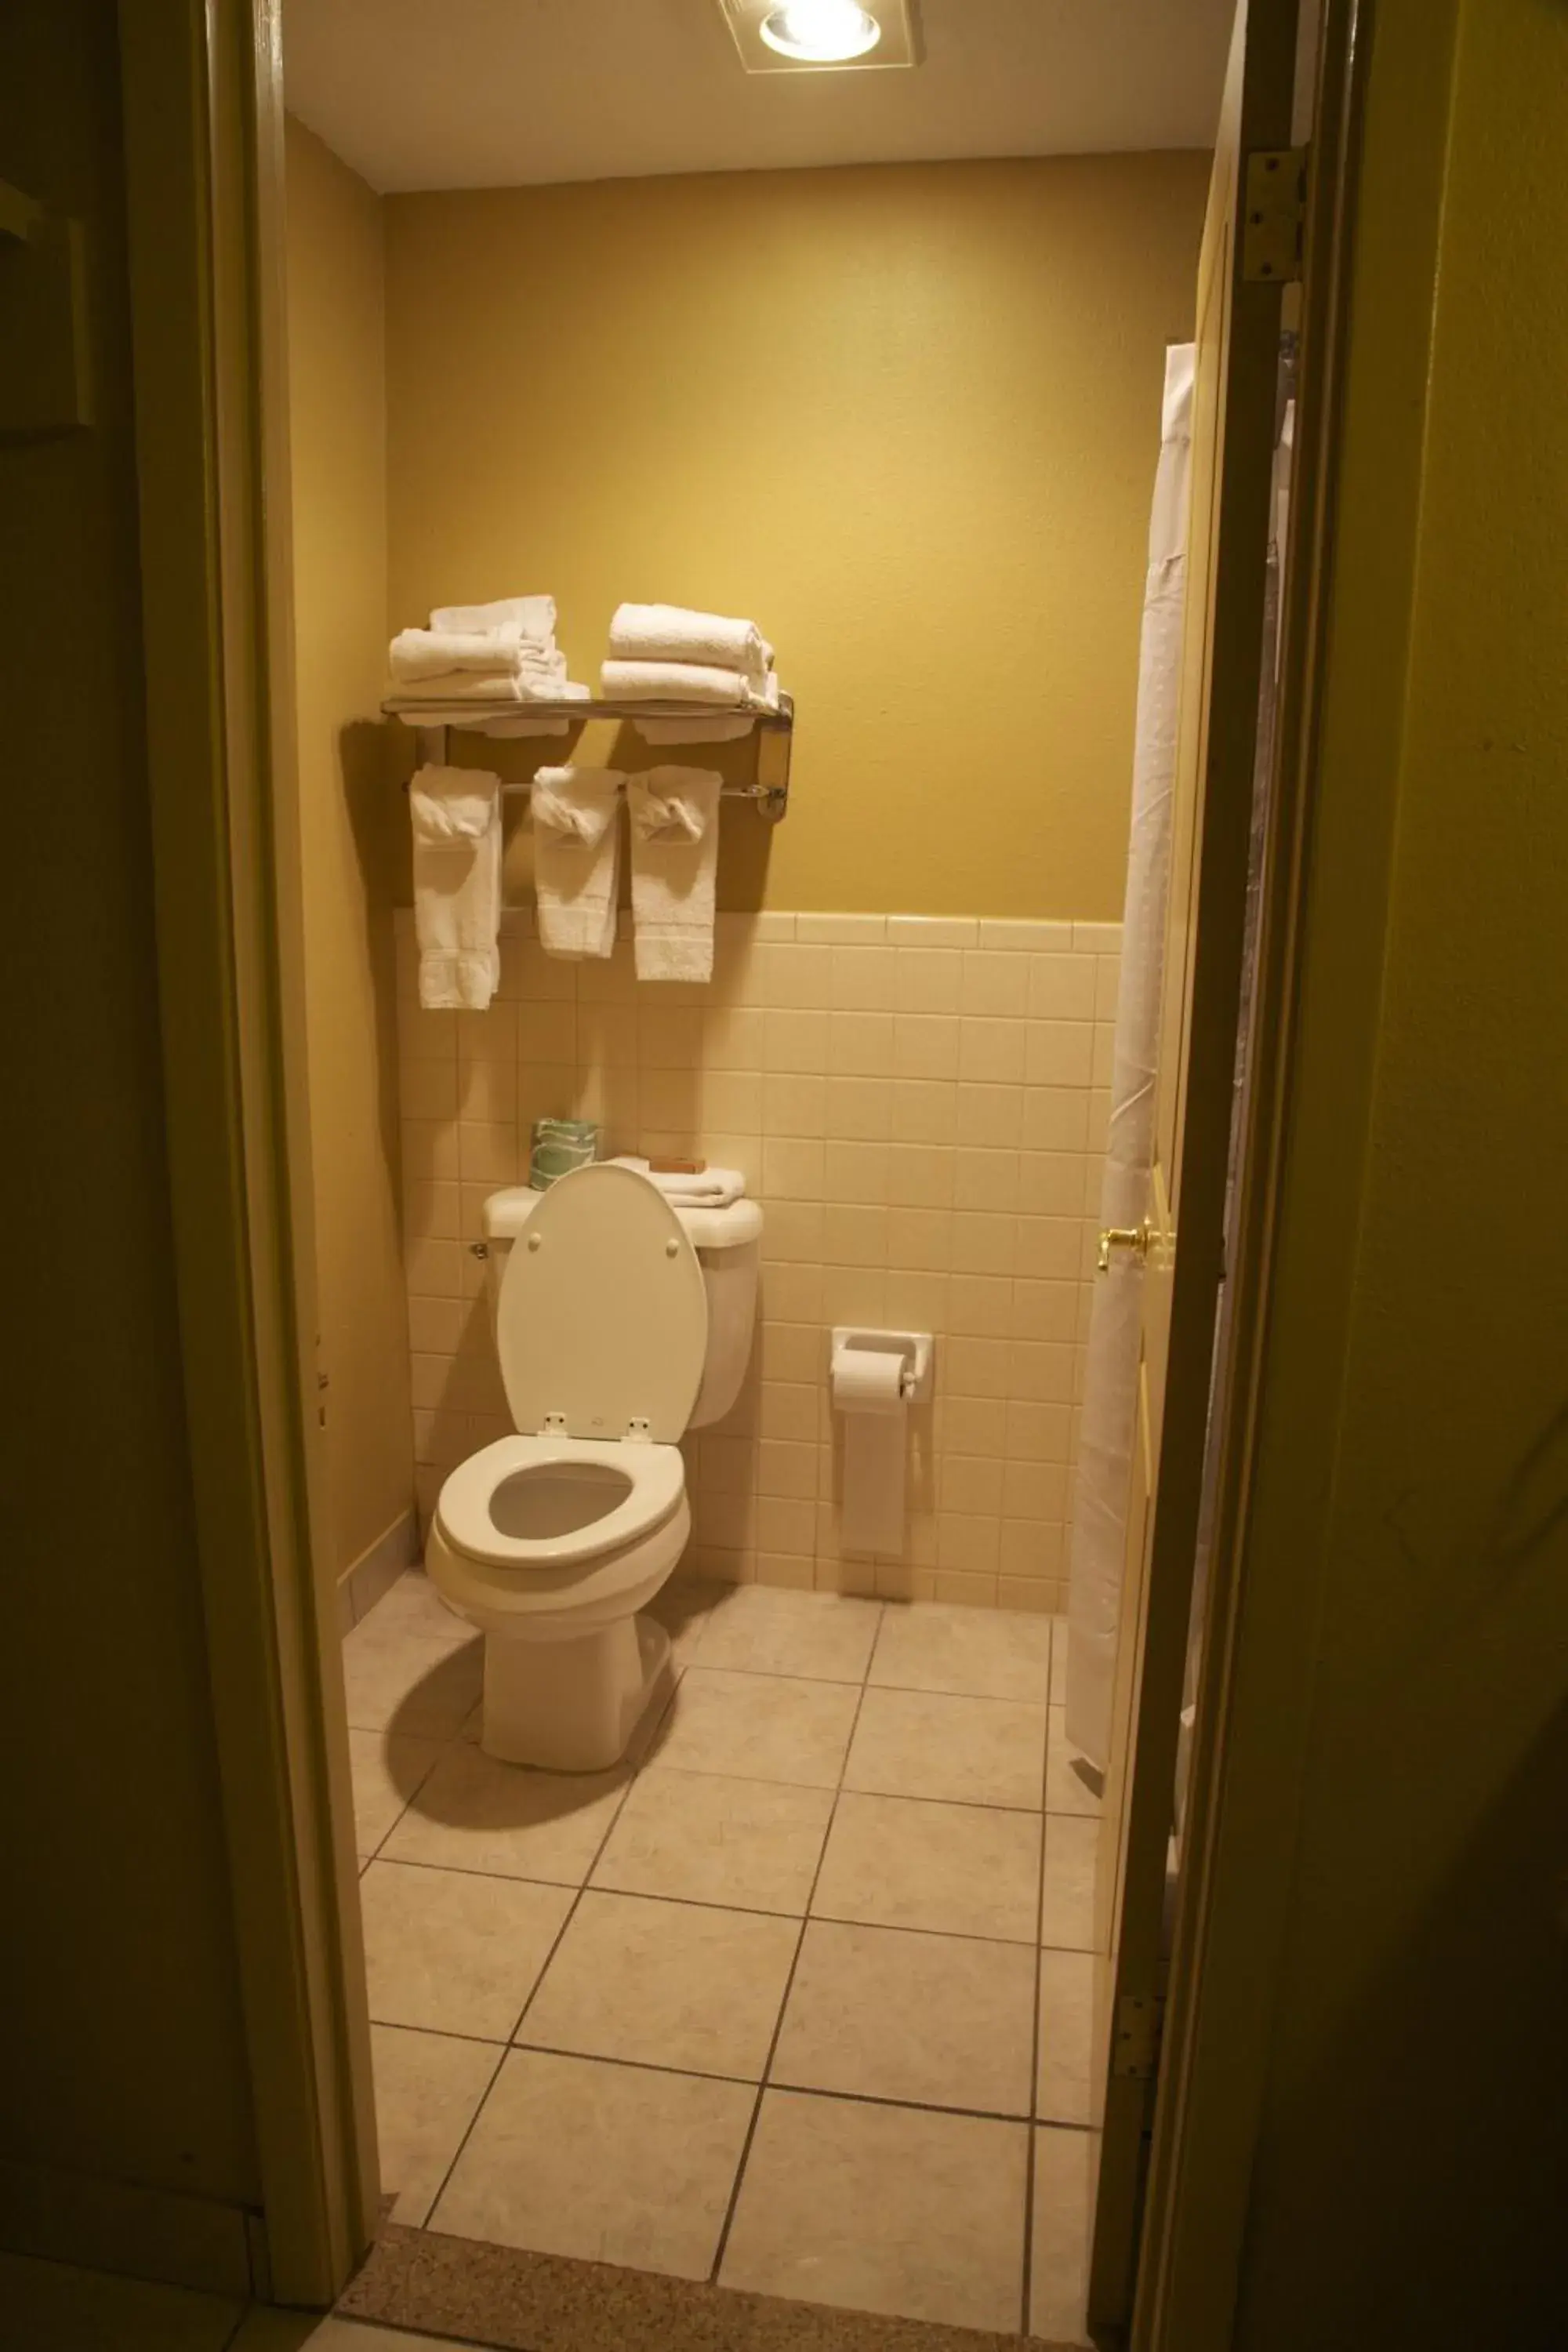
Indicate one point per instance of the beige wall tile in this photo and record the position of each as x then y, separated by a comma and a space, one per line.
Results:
918, 1176
792, 1168
1062, 987
928, 979
991, 1115
826, 1064
858, 1110
731, 1104
995, 984
865, 979
985, 1179
991, 1052
933, 930
859, 1044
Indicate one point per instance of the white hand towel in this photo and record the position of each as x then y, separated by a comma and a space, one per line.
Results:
675, 857
577, 859
533, 615
647, 681
454, 814
670, 632
714, 1187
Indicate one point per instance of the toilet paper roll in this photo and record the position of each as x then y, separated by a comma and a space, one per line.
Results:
867, 1388
868, 1380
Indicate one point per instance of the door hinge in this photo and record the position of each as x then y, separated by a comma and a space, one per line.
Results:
1140, 2020
1274, 217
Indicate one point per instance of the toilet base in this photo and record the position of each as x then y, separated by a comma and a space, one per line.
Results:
574, 1706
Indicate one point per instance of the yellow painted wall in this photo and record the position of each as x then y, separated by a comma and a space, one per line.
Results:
352, 823
905, 416
1408, 2183
121, 2051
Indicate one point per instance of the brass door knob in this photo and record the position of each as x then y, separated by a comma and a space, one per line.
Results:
1135, 1238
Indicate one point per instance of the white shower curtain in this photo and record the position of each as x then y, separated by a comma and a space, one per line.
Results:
1105, 1439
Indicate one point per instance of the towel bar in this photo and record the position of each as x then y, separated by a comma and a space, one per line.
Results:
774, 736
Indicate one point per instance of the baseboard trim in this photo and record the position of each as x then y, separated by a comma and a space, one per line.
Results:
378, 1567
101, 2224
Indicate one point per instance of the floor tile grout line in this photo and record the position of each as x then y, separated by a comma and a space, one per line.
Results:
1027, 2281
555, 1947
446, 1745
1028, 2120
479, 2104
723, 2240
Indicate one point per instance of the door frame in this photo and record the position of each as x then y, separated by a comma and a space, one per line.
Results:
203, 124
1374, 217
202, 115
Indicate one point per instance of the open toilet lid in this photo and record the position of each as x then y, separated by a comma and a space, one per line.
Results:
603, 1315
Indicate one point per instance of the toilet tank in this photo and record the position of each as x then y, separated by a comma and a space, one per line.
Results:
728, 1245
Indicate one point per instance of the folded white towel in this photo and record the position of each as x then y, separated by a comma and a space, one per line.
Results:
670, 632
694, 731
422, 707
647, 682
428, 652
534, 616
454, 685
675, 857
714, 1187
577, 859
454, 814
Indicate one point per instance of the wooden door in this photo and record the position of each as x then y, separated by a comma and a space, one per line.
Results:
1233, 414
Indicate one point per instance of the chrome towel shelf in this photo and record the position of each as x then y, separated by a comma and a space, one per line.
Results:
774, 737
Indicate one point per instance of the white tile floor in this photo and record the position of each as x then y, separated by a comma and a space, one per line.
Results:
798, 2000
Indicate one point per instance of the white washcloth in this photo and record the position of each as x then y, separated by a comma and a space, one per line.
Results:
647, 682
456, 818
533, 615
714, 1187
577, 859
669, 633
675, 857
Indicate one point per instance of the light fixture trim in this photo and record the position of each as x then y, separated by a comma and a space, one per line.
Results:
788, 32
898, 45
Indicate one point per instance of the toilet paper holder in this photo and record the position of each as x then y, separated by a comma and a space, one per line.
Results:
917, 1349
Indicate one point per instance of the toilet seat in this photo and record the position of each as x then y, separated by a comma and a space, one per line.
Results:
465, 1513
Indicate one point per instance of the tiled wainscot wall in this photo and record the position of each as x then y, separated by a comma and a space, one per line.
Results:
919, 1104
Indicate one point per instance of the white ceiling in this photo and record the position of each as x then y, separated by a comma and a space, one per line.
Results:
497, 93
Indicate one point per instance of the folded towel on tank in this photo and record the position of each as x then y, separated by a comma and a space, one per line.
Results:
707, 1188
672, 633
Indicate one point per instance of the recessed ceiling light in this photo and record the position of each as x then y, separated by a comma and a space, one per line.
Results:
821, 32
815, 37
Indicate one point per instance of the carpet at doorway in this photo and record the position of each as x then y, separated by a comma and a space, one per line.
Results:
502, 2297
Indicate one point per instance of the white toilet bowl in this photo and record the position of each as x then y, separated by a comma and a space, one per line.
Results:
551, 1546
551, 1542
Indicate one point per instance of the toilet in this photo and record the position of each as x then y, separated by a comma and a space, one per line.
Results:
621, 1320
